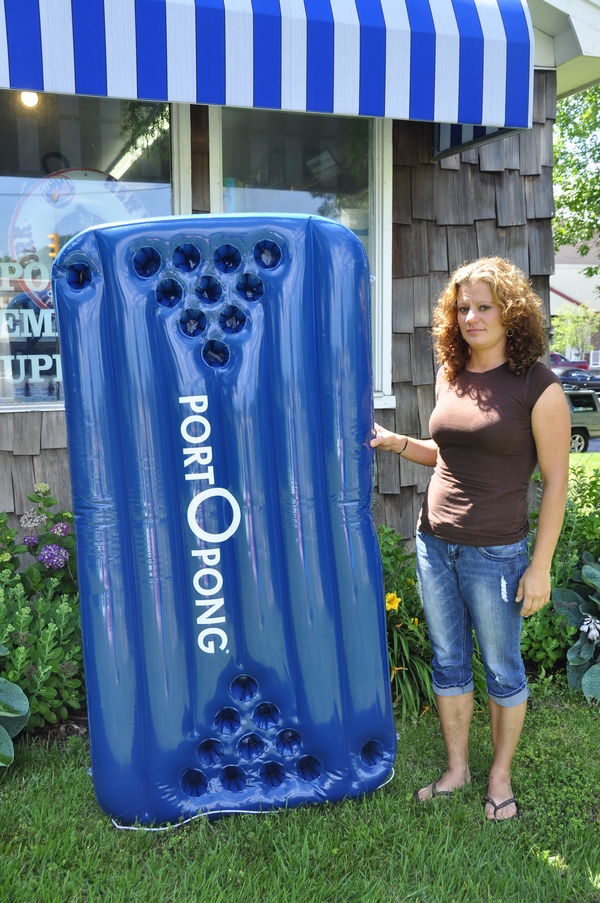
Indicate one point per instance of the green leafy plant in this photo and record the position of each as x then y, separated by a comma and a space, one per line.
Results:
14, 712
584, 509
42, 637
409, 652
581, 607
396, 562
9, 549
580, 530
546, 638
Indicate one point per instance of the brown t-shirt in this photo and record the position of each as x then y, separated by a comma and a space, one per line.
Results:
477, 495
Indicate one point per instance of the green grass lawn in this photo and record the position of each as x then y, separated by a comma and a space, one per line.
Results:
58, 846
589, 460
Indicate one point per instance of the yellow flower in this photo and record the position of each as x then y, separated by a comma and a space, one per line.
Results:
414, 621
392, 602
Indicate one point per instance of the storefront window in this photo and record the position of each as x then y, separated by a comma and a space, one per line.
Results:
297, 163
66, 163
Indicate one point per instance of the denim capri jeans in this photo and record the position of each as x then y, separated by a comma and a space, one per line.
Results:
465, 587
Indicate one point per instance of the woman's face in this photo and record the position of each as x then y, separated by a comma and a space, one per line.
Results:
479, 317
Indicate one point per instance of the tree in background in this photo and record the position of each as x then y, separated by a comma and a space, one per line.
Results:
574, 329
577, 173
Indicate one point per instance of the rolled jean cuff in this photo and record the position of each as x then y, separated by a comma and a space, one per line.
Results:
455, 691
510, 701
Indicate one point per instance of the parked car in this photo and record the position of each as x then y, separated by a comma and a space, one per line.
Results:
578, 379
559, 360
585, 418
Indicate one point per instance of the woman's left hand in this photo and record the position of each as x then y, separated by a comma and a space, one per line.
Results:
534, 590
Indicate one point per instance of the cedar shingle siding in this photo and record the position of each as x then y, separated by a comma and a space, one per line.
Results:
33, 449
494, 200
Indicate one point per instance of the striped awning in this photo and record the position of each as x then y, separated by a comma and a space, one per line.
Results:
448, 61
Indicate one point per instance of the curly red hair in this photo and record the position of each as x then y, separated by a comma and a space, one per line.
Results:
522, 313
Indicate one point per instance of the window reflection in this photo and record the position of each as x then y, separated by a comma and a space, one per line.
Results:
297, 163
65, 164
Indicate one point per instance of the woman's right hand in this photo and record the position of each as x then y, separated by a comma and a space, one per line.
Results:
421, 451
386, 440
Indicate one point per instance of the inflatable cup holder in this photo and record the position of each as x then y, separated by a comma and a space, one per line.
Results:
186, 258
272, 774
227, 258
309, 768
372, 753
193, 782
192, 323
209, 289
169, 293
79, 276
146, 262
266, 716
288, 742
244, 688
233, 779
227, 721
232, 320
267, 254
250, 287
251, 747
211, 752
215, 354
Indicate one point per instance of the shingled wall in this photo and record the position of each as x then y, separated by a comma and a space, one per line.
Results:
33, 449
495, 200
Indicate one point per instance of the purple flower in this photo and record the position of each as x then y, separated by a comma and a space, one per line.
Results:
30, 541
60, 529
53, 556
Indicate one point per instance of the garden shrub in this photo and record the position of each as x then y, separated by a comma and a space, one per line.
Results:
49, 538
546, 638
39, 611
550, 637
42, 636
583, 509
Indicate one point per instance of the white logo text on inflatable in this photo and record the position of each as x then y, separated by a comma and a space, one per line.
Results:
197, 453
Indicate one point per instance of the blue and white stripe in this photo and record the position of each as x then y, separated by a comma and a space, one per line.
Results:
451, 61
450, 139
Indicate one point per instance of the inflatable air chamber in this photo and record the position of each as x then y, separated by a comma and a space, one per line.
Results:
218, 398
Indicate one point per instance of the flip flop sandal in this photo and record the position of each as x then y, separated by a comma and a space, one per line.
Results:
434, 792
497, 806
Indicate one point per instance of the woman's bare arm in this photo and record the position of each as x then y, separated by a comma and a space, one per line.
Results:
551, 425
421, 451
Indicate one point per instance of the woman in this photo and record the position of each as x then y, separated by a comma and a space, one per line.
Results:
498, 413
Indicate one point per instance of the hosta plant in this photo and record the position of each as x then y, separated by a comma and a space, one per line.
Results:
14, 712
581, 607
